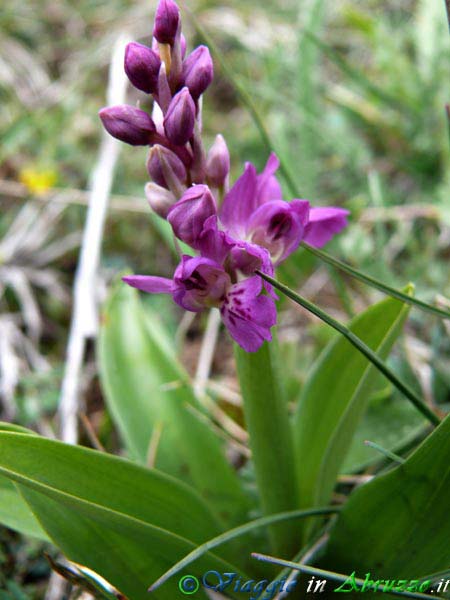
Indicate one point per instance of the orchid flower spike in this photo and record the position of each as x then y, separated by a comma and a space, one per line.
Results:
235, 232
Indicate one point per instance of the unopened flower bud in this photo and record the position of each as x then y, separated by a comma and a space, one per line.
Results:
188, 215
218, 163
183, 45
142, 66
128, 124
166, 169
160, 199
180, 118
167, 19
198, 71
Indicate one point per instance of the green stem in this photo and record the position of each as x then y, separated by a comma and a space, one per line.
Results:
386, 289
359, 344
267, 420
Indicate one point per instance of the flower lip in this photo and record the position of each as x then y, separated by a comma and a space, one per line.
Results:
200, 283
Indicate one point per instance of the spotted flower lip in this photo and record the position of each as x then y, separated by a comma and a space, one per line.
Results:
199, 283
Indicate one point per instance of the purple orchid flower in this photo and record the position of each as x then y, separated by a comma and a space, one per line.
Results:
254, 210
199, 283
253, 231
323, 224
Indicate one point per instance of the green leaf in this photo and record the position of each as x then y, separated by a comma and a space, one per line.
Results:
334, 399
127, 523
398, 525
148, 394
15, 428
15, 512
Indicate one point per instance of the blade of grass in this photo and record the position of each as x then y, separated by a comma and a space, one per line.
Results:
237, 532
359, 344
331, 575
379, 285
387, 453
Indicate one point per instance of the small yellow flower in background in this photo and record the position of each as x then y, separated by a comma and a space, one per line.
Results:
38, 181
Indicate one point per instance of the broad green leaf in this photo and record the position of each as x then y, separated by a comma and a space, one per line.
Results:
4, 426
397, 525
335, 396
127, 523
106, 480
149, 394
15, 513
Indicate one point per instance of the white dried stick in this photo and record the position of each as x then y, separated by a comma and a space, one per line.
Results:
84, 322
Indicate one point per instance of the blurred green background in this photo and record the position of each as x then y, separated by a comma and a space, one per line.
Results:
352, 95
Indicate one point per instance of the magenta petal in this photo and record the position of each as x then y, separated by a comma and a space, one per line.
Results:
150, 284
240, 202
302, 209
268, 187
213, 243
247, 315
324, 223
189, 214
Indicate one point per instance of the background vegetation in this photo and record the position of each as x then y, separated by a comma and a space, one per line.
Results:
352, 95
